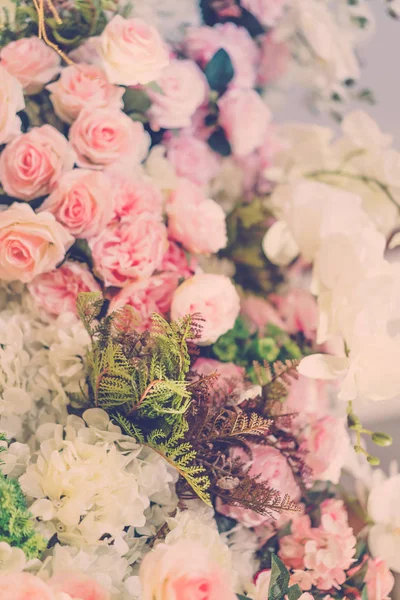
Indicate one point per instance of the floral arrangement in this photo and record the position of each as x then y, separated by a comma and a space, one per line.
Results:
193, 303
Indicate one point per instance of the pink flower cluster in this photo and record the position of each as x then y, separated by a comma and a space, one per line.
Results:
65, 586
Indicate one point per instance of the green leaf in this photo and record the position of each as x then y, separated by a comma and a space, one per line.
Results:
241, 597
279, 582
219, 71
364, 593
136, 101
218, 142
294, 592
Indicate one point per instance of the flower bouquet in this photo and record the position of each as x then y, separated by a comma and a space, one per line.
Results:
193, 303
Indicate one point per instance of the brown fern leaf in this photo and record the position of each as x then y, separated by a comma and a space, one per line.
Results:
230, 425
281, 376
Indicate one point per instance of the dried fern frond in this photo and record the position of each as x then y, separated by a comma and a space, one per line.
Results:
258, 496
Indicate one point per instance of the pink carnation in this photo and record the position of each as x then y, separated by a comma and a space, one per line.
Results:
273, 468
230, 381
32, 62
258, 313
201, 43
299, 310
379, 579
134, 195
245, 118
183, 89
104, 136
131, 249
30, 243
83, 87
24, 586
147, 296
268, 12
58, 290
214, 297
195, 221
81, 202
192, 158
274, 60
31, 164
11, 102
175, 260
78, 587
326, 444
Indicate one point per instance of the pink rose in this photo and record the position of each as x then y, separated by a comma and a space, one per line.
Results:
214, 297
229, 383
201, 43
268, 12
245, 118
147, 296
131, 249
32, 62
58, 290
30, 243
274, 60
183, 90
299, 310
198, 223
132, 51
326, 444
175, 260
192, 158
379, 579
181, 571
258, 313
11, 102
81, 202
134, 195
24, 586
310, 398
82, 87
104, 136
78, 587
31, 164
273, 468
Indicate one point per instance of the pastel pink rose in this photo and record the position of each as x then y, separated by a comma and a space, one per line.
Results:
326, 443
183, 89
131, 249
194, 220
274, 60
31, 164
81, 202
134, 195
272, 466
147, 296
30, 243
11, 102
258, 313
299, 310
181, 571
201, 43
104, 136
78, 587
230, 381
310, 398
192, 158
83, 87
214, 297
132, 51
32, 62
245, 119
57, 291
379, 579
268, 12
176, 261
24, 586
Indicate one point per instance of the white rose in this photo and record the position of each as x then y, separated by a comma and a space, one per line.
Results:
11, 102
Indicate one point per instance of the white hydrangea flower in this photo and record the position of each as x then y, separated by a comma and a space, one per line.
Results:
384, 511
12, 560
243, 544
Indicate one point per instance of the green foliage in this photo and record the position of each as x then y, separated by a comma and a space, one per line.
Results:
279, 583
219, 71
219, 143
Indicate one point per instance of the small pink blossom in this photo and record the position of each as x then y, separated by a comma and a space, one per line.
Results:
132, 51
379, 579
274, 469
134, 195
176, 261
104, 136
326, 444
201, 43
181, 571
245, 118
83, 87
268, 12
30, 243
32, 62
192, 158
81, 202
132, 249
299, 310
31, 164
214, 297
230, 381
183, 89
147, 296
78, 587
11, 102
24, 586
57, 291
274, 60
194, 220
258, 313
